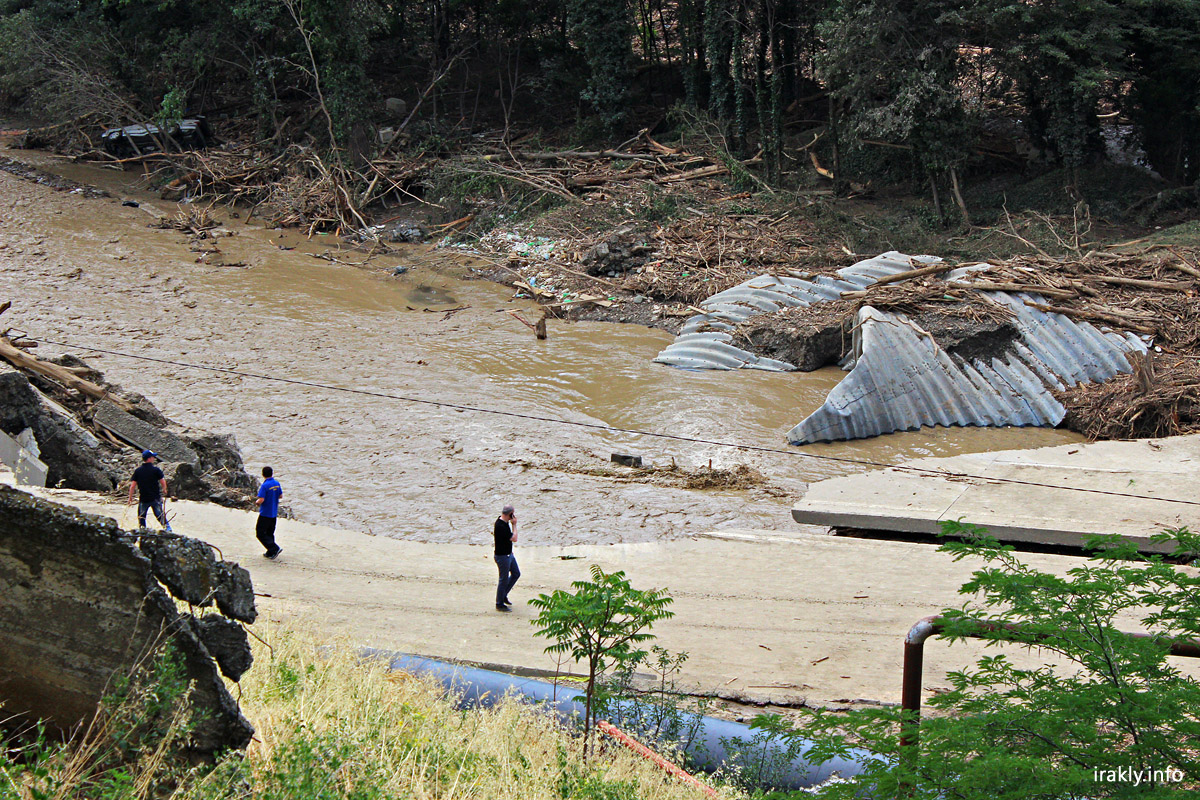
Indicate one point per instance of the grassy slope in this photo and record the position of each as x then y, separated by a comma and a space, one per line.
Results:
329, 726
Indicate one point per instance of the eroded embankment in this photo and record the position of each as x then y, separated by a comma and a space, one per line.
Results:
86, 604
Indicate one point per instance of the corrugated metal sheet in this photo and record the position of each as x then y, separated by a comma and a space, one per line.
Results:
901, 379
704, 342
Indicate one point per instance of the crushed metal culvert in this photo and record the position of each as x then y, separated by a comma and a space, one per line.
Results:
994, 360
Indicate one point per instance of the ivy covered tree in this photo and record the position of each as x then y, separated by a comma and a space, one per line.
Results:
1062, 60
1163, 100
603, 30
892, 69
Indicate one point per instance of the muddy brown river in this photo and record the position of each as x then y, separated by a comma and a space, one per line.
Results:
91, 272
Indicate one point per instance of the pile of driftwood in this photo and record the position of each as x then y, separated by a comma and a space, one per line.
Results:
1160, 398
699, 255
303, 187
574, 175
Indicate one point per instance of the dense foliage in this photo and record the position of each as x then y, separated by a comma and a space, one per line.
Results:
895, 89
1114, 718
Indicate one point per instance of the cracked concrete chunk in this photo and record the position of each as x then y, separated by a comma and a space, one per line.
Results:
79, 604
67, 449
186, 566
227, 642
142, 435
235, 592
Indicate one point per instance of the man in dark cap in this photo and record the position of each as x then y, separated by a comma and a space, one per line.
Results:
505, 533
152, 490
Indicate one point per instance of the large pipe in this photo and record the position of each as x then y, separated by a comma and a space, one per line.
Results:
484, 688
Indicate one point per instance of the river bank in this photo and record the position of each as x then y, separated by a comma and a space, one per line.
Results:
94, 273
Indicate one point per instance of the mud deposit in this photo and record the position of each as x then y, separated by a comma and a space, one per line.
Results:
91, 272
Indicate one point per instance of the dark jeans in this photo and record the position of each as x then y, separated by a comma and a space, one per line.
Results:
265, 531
509, 572
160, 512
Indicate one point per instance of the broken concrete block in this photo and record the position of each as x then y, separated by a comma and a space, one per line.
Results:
68, 450
28, 469
142, 435
227, 642
219, 456
235, 592
186, 566
80, 606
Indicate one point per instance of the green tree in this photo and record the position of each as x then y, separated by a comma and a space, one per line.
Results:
893, 68
601, 624
604, 31
1009, 732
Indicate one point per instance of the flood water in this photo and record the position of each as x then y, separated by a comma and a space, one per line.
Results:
92, 273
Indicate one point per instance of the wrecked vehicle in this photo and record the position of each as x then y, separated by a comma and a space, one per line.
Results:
193, 133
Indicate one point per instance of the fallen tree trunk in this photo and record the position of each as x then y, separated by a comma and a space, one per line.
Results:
990, 286
1179, 286
691, 175
933, 269
60, 375
1111, 317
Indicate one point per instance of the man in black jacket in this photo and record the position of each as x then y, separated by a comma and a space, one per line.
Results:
152, 489
505, 533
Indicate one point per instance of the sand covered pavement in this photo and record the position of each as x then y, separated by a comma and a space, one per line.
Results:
776, 615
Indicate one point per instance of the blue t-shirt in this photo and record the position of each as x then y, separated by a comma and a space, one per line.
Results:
270, 492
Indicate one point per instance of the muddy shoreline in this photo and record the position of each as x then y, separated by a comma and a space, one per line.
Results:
307, 309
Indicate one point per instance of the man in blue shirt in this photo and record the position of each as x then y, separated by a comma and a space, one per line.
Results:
268, 511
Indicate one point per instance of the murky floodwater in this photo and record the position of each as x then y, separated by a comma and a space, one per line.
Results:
91, 272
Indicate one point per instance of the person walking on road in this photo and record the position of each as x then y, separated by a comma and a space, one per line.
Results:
505, 533
268, 512
152, 490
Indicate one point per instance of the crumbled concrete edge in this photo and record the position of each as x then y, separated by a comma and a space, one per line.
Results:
82, 605
75, 437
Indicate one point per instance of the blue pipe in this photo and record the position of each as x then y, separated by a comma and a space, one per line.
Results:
484, 688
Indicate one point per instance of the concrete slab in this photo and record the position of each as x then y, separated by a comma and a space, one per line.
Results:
143, 435
26, 466
776, 615
1025, 495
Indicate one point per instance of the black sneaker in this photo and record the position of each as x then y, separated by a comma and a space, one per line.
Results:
507, 603
274, 555
503, 608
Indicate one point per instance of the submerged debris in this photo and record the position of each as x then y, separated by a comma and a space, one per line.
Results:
739, 477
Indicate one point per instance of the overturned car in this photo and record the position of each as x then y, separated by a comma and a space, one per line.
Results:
135, 140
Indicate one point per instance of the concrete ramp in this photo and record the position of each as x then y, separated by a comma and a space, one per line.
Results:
1042, 509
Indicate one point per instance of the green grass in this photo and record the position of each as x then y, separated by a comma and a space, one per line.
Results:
332, 727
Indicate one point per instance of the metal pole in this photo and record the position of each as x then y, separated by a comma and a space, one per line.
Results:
914, 653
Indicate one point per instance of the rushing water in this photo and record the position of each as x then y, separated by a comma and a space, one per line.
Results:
92, 273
